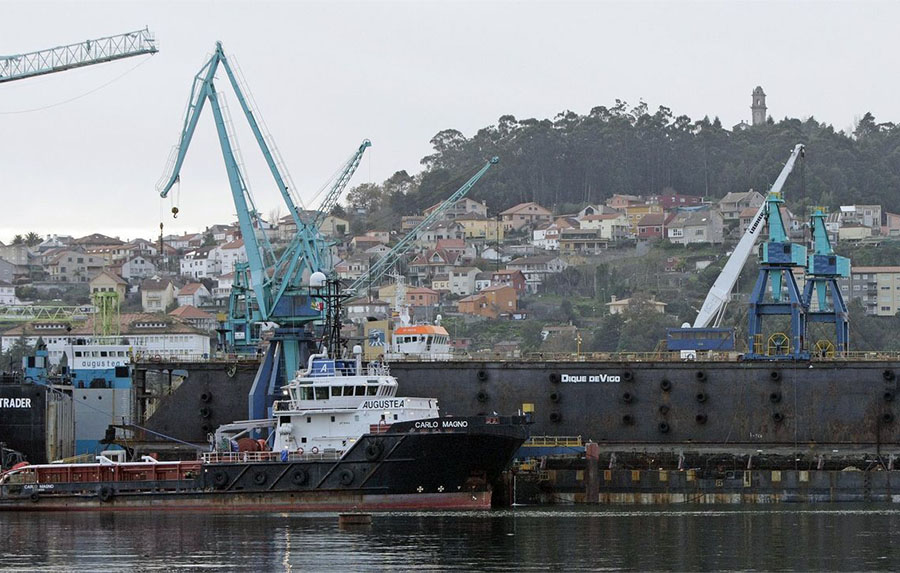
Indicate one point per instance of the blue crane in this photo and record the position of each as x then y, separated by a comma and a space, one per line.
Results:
89, 52
393, 256
823, 269
775, 292
269, 287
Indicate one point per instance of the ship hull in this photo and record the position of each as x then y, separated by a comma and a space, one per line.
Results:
439, 463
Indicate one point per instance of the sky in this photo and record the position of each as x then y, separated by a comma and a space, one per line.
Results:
81, 151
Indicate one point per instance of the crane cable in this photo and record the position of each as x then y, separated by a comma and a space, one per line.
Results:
85, 94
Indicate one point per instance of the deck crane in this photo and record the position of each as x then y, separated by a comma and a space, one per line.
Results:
823, 269
391, 257
275, 288
706, 332
89, 52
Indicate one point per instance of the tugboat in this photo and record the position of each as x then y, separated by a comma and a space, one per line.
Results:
338, 439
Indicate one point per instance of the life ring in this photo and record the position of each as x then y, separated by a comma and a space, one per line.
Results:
34, 497
105, 493
220, 478
315, 450
299, 451
373, 451
346, 477
665, 385
299, 477
259, 478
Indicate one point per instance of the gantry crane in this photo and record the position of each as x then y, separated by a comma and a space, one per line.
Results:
89, 52
823, 269
269, 288
706, 332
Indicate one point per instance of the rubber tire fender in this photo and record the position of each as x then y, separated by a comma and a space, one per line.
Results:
220, 478
346, 477
299, 477
105, 493
374, 451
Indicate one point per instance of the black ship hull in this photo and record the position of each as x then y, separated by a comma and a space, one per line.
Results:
36, 420
441, 463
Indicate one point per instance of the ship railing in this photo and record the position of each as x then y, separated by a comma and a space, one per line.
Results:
555, 441
257, 457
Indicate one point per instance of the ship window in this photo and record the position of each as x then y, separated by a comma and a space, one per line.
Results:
372, 390
332, 418
302, 440
321, 392
308, 421
395, 417
306, 393
78, 354
103, 353
337, 390
360, 390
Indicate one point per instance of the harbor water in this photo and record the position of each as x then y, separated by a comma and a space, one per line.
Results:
598, 538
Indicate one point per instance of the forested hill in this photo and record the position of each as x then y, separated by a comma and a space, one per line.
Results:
576, 159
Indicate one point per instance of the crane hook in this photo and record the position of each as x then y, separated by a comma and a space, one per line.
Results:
174, 212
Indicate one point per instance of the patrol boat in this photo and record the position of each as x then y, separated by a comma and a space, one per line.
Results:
339, 439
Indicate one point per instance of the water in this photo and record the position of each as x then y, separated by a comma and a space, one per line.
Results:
598, 538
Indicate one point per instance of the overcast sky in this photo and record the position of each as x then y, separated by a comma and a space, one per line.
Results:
326, 75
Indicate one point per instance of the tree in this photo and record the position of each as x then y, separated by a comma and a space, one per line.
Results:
32, 239
18, 240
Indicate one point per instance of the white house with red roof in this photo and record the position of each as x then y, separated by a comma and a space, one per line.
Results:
229, 254
193, 294
196, 317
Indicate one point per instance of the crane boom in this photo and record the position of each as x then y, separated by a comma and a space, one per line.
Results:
390, 259
714, 305
89, 52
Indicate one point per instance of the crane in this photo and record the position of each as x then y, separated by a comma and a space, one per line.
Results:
823, 269
702, 336
391, 257
268, 288
89, 52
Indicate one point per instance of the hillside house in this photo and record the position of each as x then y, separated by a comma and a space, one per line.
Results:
157, 294
731, 205
490, 302
197, 318
193, 294
107, 281
524, 215
700, 226
536, 268
201, 263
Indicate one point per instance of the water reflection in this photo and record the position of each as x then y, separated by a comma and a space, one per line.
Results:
834, 537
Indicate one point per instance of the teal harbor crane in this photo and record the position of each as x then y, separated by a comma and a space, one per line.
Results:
269, 288
776, 291
89, 52
823, 270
